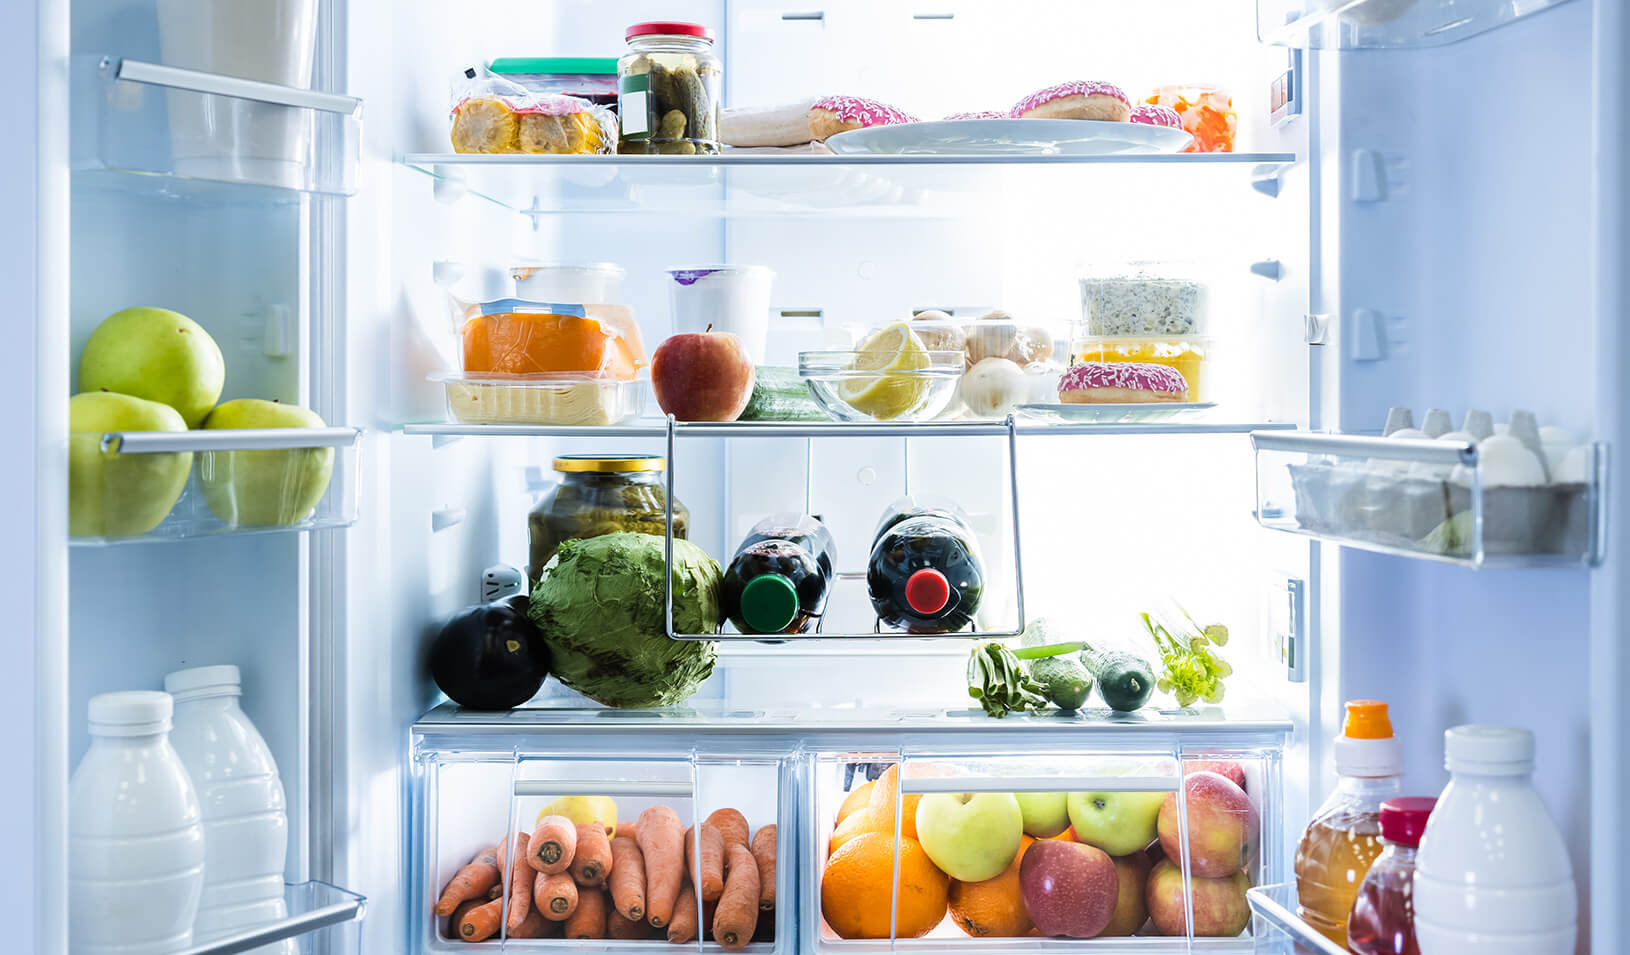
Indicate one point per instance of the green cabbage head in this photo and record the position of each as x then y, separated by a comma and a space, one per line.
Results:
598, 604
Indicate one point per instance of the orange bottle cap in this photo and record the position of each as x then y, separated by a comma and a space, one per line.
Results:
1367, 719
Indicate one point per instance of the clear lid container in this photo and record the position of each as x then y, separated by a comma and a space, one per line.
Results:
579, 399
1142, 298
594, 283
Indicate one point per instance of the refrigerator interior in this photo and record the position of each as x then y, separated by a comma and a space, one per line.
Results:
341, 304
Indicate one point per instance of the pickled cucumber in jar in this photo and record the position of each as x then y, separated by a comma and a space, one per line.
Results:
668, 90
600, 494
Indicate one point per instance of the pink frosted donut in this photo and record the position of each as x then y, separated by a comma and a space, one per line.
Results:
1121, 382
836, 114
1151, 114
1080, 99
983, 114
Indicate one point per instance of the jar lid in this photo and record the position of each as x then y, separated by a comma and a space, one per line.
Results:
223, 678
608, 463
599, 65
1404, 819
1494, 750
1366, 746
669, 28
130, 713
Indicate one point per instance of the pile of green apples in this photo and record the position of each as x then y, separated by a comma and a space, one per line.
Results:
151, 369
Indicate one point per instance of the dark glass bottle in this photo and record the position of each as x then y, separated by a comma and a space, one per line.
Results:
781, 576
925, 574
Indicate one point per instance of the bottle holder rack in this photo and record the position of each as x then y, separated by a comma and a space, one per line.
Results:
1009, 428
322, 919
1275, 909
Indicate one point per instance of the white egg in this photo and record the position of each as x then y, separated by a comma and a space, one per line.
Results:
1556, 442
1574, 467
1453, 472
994, 387
1507, 462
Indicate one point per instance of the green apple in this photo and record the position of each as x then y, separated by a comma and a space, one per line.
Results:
264, 488
156, 354
1045, 814
119, 495
970, 836
1118, 823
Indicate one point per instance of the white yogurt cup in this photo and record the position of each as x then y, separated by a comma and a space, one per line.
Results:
731, 298
599, 283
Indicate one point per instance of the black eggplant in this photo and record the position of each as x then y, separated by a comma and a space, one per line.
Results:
489, 657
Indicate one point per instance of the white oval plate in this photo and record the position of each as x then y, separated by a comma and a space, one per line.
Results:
1113, 413
1019, 137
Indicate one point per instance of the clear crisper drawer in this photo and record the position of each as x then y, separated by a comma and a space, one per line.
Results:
1446, 500
468, 801
1111, 866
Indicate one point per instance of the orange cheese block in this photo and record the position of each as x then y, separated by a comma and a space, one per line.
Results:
530, 343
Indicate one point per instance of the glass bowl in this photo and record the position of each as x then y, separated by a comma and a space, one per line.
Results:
908, 394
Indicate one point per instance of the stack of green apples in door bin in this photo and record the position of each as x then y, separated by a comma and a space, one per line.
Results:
151, 369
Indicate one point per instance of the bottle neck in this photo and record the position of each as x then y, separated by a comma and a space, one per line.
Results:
208, 702
1370, 785
138, 741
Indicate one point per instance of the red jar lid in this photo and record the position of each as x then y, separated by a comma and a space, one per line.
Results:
668, 28
1404, 819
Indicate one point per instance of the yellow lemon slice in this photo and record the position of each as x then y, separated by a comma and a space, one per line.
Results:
887, 394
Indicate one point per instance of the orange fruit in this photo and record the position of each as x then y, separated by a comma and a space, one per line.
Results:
887, 788
860, 797
858, 882
860, 821
993, 908
1068, 835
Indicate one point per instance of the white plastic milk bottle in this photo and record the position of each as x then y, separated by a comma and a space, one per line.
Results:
246, 829
135, 839
1492, 876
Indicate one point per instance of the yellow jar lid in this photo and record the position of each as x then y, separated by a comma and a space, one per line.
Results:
608, 463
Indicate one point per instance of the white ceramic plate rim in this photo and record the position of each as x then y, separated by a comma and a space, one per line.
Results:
1009, 136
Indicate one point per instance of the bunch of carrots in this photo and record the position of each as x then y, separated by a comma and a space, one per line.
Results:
569, 880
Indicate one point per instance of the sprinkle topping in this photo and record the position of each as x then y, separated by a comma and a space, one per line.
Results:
866, 112
982, 114
1155, 115
1073, 88
1131, 375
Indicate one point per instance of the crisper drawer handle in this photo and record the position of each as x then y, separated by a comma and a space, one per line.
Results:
919, 786
603, 787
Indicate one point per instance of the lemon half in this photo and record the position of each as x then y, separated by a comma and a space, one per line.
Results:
888, 394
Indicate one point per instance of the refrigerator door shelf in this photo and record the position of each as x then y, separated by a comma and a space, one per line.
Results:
195, 129
1436, 500
1384, 24
164, 486
1278, 926
801, 183
322, 918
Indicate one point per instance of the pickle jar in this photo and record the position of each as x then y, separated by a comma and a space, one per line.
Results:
600, 494
668, 87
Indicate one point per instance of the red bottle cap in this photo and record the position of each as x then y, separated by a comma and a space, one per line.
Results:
1404, 819
927, 591
668, 28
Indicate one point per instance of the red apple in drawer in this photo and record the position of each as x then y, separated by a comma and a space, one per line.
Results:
1220, 908
1223, 826
702, 377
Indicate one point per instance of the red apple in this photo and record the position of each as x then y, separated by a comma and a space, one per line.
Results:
1069, 888
702, 377
1223, 826
1222, 767
1130, 909
1220, 908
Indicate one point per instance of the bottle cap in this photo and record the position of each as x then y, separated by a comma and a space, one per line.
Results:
220, 679
927, 591
1404, 819
130, 713
1366, 746
1491, 750
769, 603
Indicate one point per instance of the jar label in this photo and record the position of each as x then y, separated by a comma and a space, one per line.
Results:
633, 97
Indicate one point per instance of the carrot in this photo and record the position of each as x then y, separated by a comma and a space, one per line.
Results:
521, 878
553, 844
732, 825
534, 926
496, 892
627, 879
591, 863
470, 882
556, 896
481, 922
712, 871
736, 918
619, 927
764, 855
662, 845
682, 928
458, 915
589, 920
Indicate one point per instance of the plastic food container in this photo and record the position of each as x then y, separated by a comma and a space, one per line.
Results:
668, 86
1145, 299
598, 283
593, 78
731, 298
848, 393
566, 398
1207, 112
1189, 354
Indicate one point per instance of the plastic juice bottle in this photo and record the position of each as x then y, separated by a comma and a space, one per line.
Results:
780, 578
1344, 838
925, 574
1383, 917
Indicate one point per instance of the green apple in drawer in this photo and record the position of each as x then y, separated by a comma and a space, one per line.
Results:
117, 495
1118, 823
264, 488
971, 837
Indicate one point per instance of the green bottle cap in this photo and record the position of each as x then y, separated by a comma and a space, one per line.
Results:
769, 603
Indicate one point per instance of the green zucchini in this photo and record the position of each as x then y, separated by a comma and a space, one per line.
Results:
1067, 682
1125, 680
779, 394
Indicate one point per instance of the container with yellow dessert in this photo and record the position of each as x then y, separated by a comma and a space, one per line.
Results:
1188, 354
